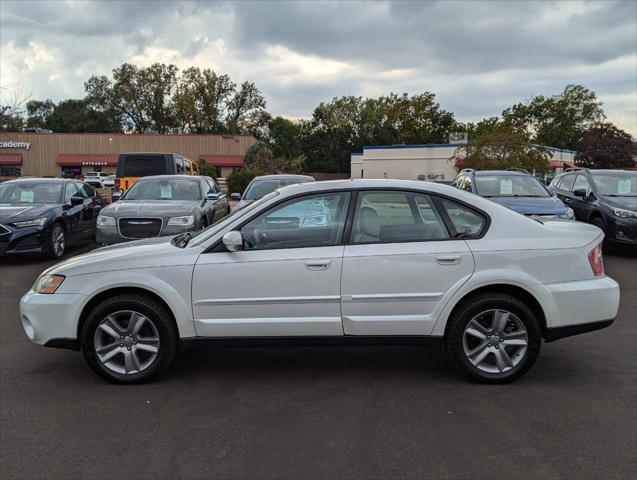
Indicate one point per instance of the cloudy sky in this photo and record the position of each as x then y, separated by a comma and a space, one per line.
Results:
477, 57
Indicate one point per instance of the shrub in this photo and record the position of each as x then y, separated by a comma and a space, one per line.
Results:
238, 181
207, 170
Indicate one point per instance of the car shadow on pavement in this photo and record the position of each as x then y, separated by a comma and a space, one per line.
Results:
30, 258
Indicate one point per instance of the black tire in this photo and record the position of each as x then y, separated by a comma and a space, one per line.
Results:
472, 307
52, 249
156, 312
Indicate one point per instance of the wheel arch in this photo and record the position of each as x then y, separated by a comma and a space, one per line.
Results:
111, 292
514, 290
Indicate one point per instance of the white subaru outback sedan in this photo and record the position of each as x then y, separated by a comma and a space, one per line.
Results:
344, 262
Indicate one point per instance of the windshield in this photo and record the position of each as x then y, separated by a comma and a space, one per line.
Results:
616, 184
164, 189
216, 227
509, 186
31, 193
258, 188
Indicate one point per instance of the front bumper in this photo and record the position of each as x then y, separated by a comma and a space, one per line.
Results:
48, 319
622, 230
109, 234
22, 240
575, 304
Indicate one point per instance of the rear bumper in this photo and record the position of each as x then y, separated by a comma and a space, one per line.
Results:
578, 304
552, 334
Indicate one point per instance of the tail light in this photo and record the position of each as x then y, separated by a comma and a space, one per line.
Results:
596, 260
117, 182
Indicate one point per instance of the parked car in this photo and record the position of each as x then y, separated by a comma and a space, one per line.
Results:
160, 206
515, 189
261, 186
396, 262
46, 215
605, 198
132, 166
109, 181
95, 179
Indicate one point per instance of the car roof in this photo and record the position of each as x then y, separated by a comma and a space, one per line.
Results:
171, 177
42, 180
513, 173
283, 176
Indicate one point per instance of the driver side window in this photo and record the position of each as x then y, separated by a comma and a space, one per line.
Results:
309, 221
71, 191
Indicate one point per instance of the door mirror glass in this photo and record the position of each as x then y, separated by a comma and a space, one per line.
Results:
212, 196
235, 196
233, 241
77, 200
116, 195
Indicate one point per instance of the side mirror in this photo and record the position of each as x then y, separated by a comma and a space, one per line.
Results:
235, 196
580, 192
116, 195
233, 241
212, 196
77, 201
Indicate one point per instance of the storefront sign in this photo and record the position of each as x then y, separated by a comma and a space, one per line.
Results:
14, 144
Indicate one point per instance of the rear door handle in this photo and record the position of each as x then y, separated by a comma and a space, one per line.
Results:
448, 259
318, 264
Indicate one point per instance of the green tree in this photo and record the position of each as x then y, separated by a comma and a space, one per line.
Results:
283, 138
207, 170
12, 109
501, 149
38, 112
259, 157
238, 181
606, 146
557, 121
246, 110
78, 116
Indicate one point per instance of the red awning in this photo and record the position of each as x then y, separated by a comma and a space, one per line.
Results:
569, 165
223, 160
72, 159
10, 159
555, 164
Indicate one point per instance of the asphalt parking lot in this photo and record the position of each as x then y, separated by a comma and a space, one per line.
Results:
361, 412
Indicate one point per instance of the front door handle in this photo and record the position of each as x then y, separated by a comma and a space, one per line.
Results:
448, 259
318, 264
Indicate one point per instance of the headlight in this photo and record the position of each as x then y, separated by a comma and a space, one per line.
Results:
104, 220
48, 283
185, 221
568, 215
621, 213
38, 222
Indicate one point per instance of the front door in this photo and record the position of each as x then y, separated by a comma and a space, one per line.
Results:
287, 279
401, 262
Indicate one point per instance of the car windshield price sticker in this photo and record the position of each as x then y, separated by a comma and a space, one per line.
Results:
623, 186
506, 186
26, 196
166, 192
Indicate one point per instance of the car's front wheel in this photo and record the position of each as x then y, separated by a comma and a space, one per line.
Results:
129, 338
55, 242
493, 338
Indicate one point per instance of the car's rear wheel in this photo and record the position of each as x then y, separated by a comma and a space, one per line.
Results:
599, 223
129, 339
55, 242
493, 338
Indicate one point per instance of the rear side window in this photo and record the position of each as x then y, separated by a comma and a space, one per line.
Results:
396, 217
179, 166
466, 221
141, 166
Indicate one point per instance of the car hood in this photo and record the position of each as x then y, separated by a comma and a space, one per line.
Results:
532, 205
16, 212
125, 208
146, 253
629, 203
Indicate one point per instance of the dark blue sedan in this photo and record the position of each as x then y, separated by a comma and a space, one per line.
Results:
515, 189
45, 216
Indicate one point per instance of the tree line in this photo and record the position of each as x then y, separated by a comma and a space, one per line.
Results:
160, 98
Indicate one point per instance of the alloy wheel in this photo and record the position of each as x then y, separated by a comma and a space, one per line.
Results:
58, 240
495, 341
126, 342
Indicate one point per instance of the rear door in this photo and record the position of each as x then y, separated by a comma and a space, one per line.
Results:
400, 263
